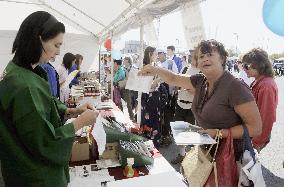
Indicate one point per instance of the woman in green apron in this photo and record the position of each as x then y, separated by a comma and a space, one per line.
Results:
35, 144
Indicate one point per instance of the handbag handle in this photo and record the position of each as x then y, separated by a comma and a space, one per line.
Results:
217, 139
247, 145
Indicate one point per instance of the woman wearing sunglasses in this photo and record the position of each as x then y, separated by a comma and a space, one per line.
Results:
256, 64
221, 102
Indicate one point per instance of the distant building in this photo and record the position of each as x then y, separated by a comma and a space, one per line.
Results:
131, 46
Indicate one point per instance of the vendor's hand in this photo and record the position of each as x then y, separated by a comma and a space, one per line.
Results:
148, 70
85, 119
82, 108
210, 132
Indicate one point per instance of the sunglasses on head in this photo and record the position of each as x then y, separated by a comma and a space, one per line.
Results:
247, 66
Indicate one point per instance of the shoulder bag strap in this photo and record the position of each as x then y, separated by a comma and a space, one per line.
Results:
247, 145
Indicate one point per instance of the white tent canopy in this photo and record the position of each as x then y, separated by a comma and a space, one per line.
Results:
109, 17
96, 19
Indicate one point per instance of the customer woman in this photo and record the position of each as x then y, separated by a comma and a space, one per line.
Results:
257, 65
35, 144
220, 100
151, 103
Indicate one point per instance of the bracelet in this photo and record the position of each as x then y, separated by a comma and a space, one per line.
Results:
220, 134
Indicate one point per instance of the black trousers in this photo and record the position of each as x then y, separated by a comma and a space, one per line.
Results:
168, 115
184, 115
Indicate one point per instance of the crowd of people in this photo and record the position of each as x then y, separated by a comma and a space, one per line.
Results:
197, 88
169, 101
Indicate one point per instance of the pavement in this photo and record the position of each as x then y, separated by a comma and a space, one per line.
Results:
271, 157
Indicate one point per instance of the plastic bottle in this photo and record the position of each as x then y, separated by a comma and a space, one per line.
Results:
129, 171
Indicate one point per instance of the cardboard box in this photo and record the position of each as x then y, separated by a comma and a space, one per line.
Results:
80, 149
111, 151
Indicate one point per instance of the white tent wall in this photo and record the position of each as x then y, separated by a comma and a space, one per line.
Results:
80, 44
74, 43
6, 43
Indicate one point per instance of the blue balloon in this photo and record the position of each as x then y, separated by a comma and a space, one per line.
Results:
273, 15
115, 54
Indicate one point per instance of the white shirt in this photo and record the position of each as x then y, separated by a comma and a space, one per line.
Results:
243, 75
183, 94
64, 91
171, 57
166, 65
102, 73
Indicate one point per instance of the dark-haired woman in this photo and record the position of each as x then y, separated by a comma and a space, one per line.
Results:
76, 66
35, 145
151, 103
256, 64
62, 70
221, 102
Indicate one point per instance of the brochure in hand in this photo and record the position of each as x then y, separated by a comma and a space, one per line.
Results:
187, 134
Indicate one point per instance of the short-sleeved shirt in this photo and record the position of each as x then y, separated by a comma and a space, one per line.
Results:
217, 110
119, 75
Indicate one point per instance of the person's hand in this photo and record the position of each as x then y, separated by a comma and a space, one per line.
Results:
210, 132
148, 70
85, 119
82, 108
155, 83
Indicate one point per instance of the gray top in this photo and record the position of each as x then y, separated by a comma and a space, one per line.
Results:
217, 110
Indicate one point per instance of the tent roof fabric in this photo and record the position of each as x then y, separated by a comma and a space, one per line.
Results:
102, 19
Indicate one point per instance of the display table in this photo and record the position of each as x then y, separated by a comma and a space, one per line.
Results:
159, 170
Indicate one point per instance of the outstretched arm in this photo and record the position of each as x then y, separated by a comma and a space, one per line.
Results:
168, 76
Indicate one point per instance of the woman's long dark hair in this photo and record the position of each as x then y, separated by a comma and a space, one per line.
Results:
27, 45
149, 51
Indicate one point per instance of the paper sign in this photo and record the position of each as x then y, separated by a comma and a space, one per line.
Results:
186, 134
138, 83
70, 78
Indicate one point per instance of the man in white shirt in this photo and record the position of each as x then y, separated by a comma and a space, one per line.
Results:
102, 71
167, 63
172, 56
127, 95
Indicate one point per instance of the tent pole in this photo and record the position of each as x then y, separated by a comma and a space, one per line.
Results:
140, 67
100, 65
111, 75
